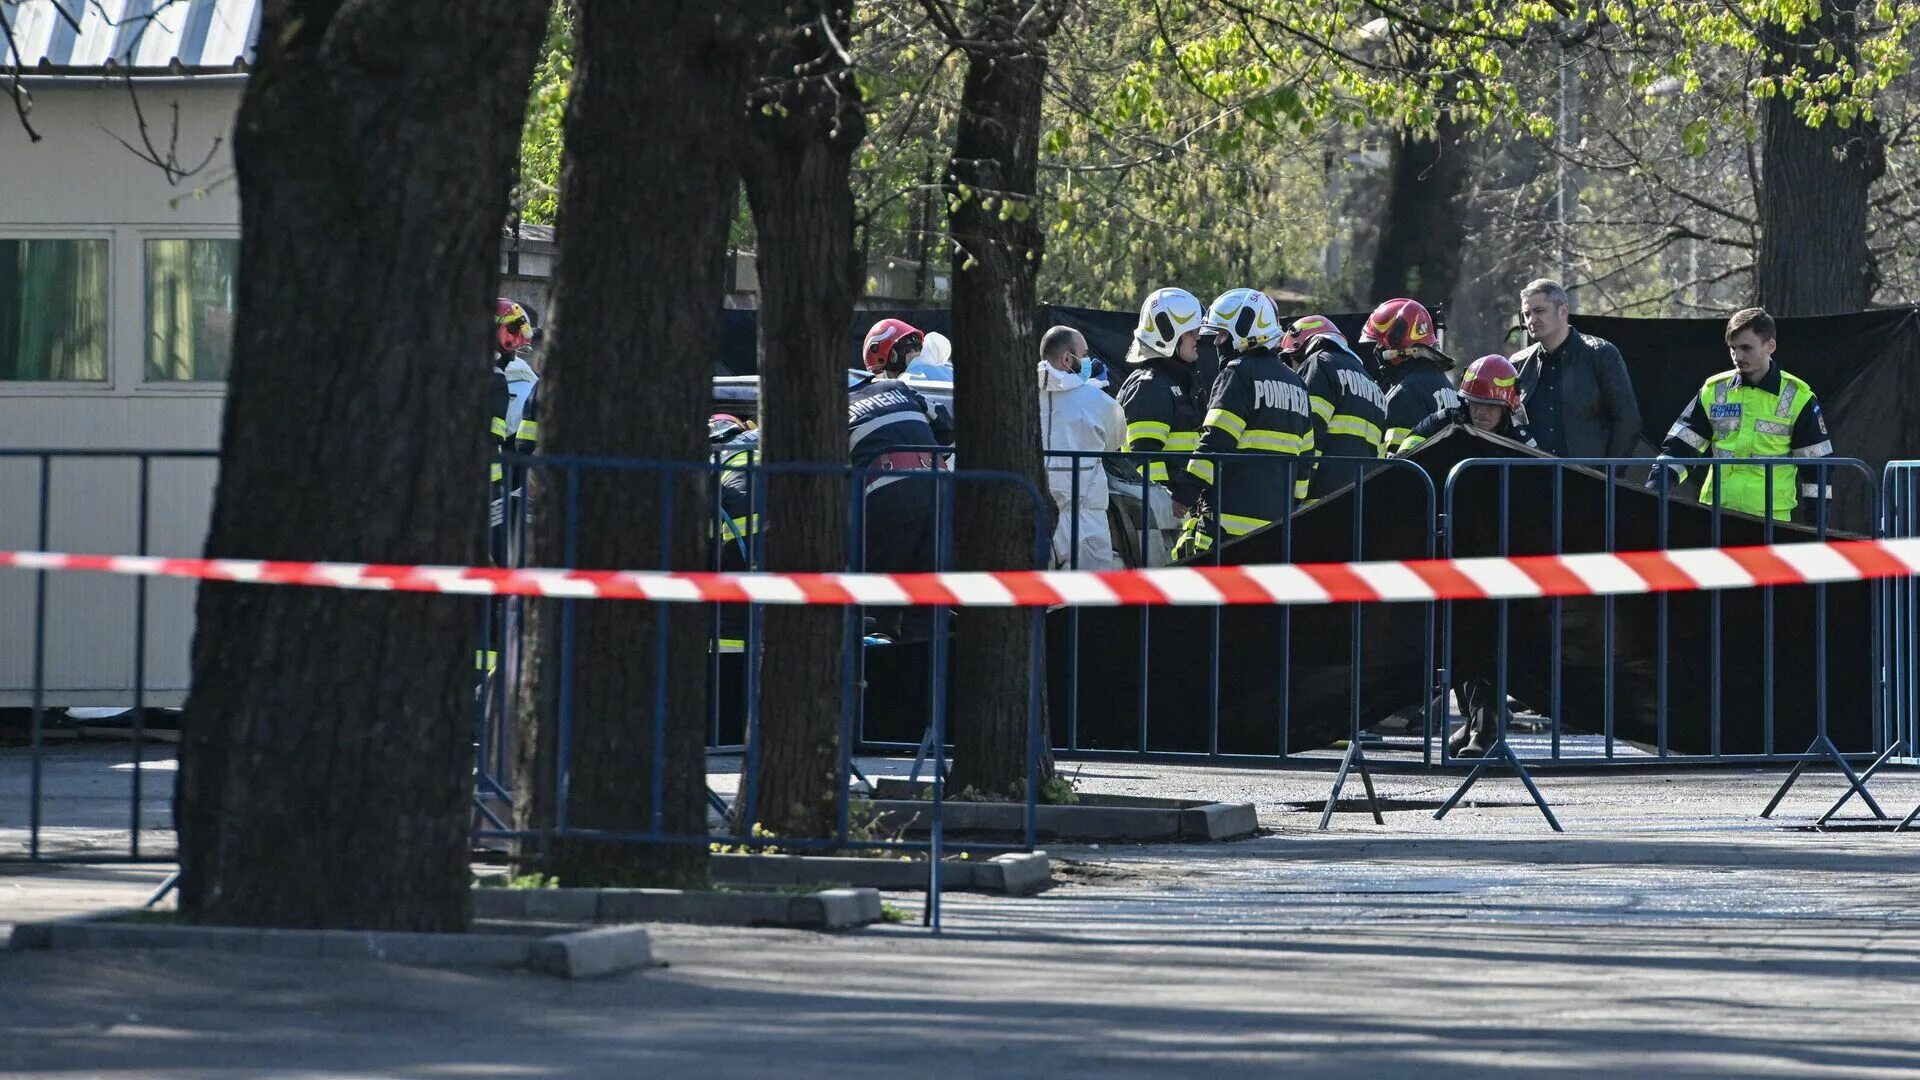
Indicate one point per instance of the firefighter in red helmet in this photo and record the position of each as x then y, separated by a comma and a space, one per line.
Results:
889, 426
1489, 401
1406, 342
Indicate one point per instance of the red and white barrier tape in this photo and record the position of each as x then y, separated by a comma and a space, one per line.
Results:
1520, 577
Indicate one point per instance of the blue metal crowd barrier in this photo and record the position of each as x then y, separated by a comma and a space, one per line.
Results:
1896, 651
1822, 747
143, 464
746, 550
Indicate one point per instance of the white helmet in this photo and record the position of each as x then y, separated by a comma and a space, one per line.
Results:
1247, 317
1166, 316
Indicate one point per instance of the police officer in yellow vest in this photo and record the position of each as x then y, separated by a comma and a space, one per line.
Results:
1755, 410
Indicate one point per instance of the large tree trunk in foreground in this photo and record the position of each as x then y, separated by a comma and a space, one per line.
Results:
326, 764
1814, 183
1424, 229
652, 138
997, 244
806, 123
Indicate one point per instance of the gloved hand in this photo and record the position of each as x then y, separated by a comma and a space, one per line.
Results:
1653, 475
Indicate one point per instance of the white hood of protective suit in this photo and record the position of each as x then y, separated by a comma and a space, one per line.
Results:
935, 362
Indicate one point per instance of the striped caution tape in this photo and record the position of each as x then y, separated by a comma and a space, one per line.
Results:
1520, 577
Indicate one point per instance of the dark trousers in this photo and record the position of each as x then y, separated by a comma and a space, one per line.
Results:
898, 532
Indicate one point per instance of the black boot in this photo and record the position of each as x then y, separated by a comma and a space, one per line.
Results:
1476, 705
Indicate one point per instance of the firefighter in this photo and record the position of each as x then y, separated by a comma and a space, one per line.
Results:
1159, 398
1490, 393
1349, 408
512, 332
886, 417
1407, 345
1490, 400
1754, 410
736, 447
1259, 406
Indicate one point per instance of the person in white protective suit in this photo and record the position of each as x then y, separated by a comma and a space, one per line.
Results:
1076, 414
935, 362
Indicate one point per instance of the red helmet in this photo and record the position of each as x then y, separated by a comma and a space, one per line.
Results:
1307, 328
1492, 380
512, 329
1397, 327
885, 339
725, 427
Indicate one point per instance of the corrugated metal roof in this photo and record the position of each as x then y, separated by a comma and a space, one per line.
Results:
148, 36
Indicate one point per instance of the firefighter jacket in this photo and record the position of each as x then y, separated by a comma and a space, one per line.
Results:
1163, 416
1775, 417
1420, 390
735, 520
1443, 419
884, 416
1349, 412
1259, 406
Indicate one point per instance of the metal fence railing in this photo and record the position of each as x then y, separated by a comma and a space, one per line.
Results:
1678, 710
1791, 675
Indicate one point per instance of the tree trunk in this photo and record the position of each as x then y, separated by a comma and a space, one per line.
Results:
1424, 228
806, 123
647, 193
997, 254
326, 764
1814, 183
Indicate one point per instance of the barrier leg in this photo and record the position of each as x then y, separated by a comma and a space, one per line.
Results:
1892, 752
1908, 823
1855, 783
718, 804
920, 756
1499, 753
172, 882
1355, 758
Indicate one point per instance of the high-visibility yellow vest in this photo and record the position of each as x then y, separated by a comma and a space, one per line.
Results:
1749, 422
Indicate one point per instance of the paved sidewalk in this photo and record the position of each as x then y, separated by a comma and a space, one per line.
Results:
1670, 932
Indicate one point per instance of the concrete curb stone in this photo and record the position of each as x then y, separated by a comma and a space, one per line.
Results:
1219, 821
1199, 821
830, 909
575, 955
1017, 874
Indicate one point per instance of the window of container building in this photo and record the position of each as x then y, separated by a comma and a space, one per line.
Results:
53, 310
190, 302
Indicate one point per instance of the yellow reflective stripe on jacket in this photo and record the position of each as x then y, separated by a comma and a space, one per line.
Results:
1240, 525
1157, 471
1300, 487
1278, 442
1201, 468
485, 660
529, 431
499, 427
1394, 436
1349, 424
496, 473
1226, 421
1322, 407
1412, 441
1148, 429
1183, 442
737, 527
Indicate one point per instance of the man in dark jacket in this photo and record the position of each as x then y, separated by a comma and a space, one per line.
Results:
1574, 389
